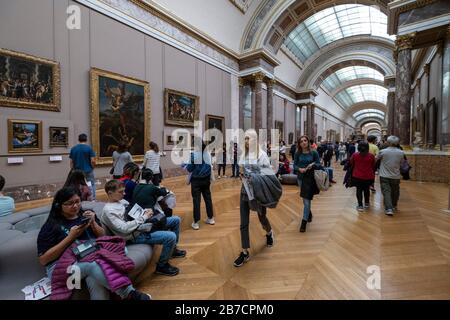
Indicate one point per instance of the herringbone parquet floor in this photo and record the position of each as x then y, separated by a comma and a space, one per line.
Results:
329, 261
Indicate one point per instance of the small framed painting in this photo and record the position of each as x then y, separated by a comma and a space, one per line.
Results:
59, 136
24, 136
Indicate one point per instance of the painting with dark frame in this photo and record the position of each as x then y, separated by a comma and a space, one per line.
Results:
29, 82
24, 136
59, 136
120, 114
181, 109
431, 119
280, 126
215, 122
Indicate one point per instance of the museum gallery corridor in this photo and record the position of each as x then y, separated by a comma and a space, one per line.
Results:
329, 261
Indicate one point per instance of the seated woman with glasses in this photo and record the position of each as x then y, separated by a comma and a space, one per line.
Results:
72, 241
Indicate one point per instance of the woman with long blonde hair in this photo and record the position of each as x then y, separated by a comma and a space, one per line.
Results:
257, 168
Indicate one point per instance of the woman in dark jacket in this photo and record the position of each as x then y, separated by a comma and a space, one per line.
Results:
305, 161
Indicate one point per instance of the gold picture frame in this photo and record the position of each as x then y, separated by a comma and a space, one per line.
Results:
24, 136
25, 82
171, 116
120, 113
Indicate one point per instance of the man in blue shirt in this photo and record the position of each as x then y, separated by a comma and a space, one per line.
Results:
200, 180
82, 157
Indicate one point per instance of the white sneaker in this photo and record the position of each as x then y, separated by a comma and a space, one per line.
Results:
389, 212
195, 225
210, 221
224, 176
219, 177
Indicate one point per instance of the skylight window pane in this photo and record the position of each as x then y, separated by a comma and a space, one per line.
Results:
335, 23
381, 113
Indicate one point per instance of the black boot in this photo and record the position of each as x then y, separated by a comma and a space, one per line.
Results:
303, 226
310, 217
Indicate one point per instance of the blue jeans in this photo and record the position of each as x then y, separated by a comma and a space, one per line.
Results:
168, 239
330, 173
96, 281
90, 177
235, 169
306, 204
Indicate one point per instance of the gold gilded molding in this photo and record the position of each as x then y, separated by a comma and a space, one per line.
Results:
241, 82
259, 76
95, 110
56, 74
271, 82
405, 41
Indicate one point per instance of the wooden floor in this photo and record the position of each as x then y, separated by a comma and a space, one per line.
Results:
329, 261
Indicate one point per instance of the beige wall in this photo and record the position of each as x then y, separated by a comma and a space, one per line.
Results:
287, 71
39, 28
208, 16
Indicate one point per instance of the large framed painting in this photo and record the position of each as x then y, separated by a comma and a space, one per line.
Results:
215, 122
181, 109
59, 136
24, 136
29, 82
120, 114
279, 125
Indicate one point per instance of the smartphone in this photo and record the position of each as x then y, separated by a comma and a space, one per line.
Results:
84, 221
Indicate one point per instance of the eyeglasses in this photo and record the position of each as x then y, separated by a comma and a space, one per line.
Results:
72, 203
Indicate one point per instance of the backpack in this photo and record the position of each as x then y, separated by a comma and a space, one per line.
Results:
322, 180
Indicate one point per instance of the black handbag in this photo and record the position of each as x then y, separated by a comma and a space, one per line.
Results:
111, 171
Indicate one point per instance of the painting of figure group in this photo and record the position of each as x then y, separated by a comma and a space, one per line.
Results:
25, 81
181, 108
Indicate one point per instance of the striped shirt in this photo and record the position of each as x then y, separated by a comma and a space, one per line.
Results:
151, 161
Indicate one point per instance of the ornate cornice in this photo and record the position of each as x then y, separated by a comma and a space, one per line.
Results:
397, 7
167, 16
242, 5
241, 82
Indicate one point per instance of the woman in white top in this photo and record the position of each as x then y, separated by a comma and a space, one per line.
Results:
120, 158
282, 147
152, 161
256, 160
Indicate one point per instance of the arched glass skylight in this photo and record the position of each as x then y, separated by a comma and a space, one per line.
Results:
356, 114
360, 93
335, 23
369, 115
351, 73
